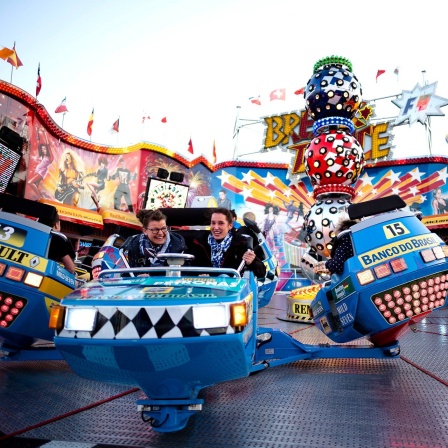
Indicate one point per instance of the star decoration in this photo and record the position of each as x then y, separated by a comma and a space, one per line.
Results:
224, 177
442, 175
269, 180
418, 104
247, 193
247, 177
294, 181
394, 177
366, 179
416, 174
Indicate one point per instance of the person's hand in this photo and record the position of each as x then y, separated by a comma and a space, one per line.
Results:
320, 268
249, 256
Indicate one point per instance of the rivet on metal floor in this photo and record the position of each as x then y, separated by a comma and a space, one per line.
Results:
346, 403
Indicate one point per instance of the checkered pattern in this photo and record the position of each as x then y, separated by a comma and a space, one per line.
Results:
155, 322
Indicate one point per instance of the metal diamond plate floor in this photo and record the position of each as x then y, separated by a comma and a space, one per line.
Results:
346, 403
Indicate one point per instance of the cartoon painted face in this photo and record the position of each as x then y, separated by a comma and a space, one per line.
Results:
156, 231
219, 226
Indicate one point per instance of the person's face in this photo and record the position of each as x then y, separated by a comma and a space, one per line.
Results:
222, 195
219, 226
271, 210
438, 193
44, 150
156, 231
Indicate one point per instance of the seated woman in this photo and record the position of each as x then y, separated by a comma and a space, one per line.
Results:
223, 247
342, 250
141, 250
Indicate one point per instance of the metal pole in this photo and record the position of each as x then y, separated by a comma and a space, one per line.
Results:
428, 120
236, 131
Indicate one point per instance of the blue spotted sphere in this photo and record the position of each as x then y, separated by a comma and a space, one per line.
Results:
333, 91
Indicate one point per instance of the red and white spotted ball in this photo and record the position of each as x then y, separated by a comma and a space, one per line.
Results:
334, 157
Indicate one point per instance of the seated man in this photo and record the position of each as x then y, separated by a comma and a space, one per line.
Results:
61, 249
141, 250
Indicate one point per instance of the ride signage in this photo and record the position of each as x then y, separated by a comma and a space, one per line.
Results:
294, 127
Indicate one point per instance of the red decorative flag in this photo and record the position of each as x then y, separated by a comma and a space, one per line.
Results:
278, 94
301, 91
379, 72
90, 123
5, 53
255, 100
190, 147
14, 59
145, 118
214, 152
163, 120
116, 126
39, 81
62, 107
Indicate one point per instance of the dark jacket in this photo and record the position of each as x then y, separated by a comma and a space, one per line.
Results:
232, 258
136, 260
342, 250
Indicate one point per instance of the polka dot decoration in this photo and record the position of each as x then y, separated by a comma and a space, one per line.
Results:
321, 221
334, 157
333, 90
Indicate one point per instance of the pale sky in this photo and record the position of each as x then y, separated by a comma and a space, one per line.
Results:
195, 61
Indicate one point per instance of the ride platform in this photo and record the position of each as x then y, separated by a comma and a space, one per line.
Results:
338, 403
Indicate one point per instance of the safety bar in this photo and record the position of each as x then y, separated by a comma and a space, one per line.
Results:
169, 270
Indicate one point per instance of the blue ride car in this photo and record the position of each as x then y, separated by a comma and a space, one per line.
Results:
174, 331
30, 283
398, 274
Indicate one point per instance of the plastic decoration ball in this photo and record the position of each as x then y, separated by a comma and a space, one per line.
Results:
334, 157
333, 90
321, 221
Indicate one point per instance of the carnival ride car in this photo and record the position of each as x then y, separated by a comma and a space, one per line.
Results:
173, 331
30, 283
398, 275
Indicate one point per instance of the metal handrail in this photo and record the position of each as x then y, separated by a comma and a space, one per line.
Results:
170, 269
